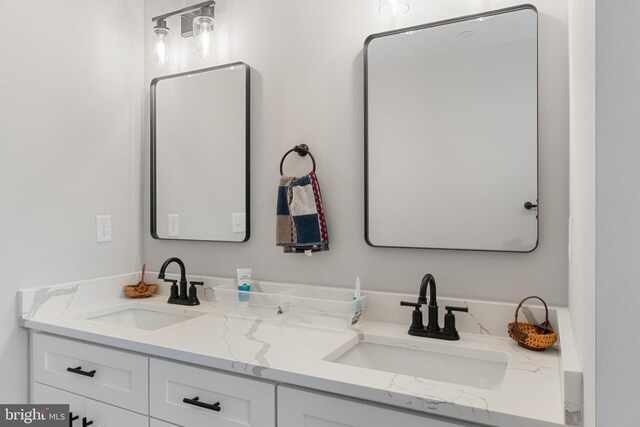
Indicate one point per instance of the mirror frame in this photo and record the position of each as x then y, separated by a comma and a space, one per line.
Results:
372, 37
153, 150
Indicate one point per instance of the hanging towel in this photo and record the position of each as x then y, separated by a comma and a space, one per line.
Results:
301, 225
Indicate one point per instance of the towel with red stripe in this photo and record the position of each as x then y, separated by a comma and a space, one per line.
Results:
301, 225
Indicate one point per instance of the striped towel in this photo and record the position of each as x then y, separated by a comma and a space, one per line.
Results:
300, 225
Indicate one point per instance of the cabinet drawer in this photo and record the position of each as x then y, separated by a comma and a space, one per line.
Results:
101, 414
45, 395
108, 375
242, 402
300, 408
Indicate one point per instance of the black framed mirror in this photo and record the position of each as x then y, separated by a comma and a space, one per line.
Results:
451, 134
200, 132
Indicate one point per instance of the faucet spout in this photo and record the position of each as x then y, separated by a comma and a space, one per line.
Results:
183, 273
177, 296
428, 281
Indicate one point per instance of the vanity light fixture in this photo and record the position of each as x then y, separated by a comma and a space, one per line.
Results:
203, 32
161, 43
393, 7
196, 21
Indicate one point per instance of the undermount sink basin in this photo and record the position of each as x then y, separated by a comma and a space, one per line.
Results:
143, 317
429, 360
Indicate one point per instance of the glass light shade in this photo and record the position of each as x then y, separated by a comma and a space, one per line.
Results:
161, 45
203, 36
393, 7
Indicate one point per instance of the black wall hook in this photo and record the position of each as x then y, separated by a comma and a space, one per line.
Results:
302, 150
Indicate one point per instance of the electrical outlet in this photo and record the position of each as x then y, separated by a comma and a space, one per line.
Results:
173, 225
239, 222
103, 228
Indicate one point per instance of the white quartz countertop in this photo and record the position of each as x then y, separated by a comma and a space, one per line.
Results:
281, 349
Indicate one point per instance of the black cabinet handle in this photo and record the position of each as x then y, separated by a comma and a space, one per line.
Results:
79, 371
528, 206
196, 402
86, 423
72, 418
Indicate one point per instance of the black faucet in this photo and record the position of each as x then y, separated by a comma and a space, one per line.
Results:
180, 297
432, 330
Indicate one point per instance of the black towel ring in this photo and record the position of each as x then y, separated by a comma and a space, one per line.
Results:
302, 151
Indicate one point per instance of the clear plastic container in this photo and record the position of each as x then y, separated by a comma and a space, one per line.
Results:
315, 304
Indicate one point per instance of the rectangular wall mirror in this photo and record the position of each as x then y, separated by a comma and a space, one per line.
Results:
200, 155
451, 134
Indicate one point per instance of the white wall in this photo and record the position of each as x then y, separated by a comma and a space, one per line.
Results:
70, 126
306, 59
617, 207
582, 266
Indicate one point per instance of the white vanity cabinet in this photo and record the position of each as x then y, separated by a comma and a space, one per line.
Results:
117, 388
88, 410
301, 408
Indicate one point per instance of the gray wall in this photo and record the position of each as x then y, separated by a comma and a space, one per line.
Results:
70, 126
306, 59
617, 207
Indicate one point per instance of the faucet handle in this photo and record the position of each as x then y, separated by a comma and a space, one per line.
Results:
450, 308
193, 293
450, 320
416, 305
416, 319
174, 288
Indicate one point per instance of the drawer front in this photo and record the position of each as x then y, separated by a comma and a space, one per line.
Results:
301, 408
42, 394
104, 415
101, 414
104, 374
242, 402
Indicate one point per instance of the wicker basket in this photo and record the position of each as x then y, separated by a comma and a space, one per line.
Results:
141, 290
531, 336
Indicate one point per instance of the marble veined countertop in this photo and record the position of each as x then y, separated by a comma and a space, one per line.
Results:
285, 349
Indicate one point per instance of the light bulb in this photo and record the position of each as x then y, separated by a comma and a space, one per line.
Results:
161, 43
203, 33
393, 7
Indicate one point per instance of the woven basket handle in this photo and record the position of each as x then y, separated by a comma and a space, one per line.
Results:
546, 309
144, 270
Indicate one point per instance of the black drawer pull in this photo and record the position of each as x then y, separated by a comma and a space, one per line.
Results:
72, 418
196, 402
79, 371
86, 423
